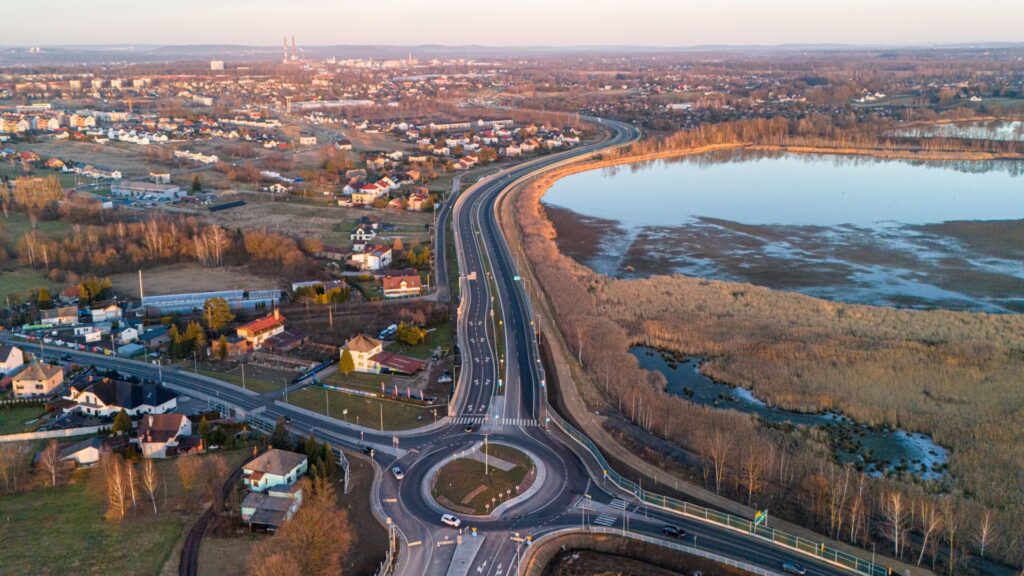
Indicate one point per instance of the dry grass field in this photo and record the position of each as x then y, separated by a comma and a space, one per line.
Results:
191, 277
953, 375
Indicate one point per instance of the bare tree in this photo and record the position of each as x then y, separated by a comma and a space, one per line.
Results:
755, 467
188, 467
719, 450
951, 519
894, 510
49, 459
931, 520
13, 458
150, 481
117, 486
986, 531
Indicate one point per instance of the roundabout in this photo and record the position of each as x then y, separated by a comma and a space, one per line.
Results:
483, 480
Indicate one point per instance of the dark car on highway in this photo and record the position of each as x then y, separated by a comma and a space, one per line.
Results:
673, 531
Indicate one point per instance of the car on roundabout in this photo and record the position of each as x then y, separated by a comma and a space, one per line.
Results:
398, 473
451, 520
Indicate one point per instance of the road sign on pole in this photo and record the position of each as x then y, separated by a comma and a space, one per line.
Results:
761, 517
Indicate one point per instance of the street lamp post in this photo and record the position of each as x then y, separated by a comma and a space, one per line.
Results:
243, 376
195, 362
327, 401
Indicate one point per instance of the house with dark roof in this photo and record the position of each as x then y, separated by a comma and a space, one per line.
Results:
11, 359
63, 316
274, 468
164, 435
106, 397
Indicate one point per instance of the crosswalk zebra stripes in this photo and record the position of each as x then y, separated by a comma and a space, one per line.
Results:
618, 504
500, 421
604, 520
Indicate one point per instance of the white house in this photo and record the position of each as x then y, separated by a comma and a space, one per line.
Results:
159, 432
274, 468
11, 359
128, 335
106, 313
363, 232
362, 348
375, 258
106, 397
84, 453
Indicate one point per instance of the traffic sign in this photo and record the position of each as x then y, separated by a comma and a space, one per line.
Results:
761, 516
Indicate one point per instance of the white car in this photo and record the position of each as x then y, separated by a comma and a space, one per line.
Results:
451, 520
398, 473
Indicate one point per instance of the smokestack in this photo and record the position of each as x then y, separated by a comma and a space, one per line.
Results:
285, 58
295, 53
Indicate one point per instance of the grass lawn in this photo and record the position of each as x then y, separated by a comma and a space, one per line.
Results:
365, 411
12, 420
361, 381
23, 281
62, 531
252, 382
18, 224
370, 289
464, 484
440, 335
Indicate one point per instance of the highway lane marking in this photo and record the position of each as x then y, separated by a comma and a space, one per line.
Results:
391, 500
414, 543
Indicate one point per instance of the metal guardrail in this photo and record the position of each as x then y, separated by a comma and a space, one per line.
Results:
746, 567
808, 547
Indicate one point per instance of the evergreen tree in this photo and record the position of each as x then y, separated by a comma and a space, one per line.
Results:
222, 348
280, 438
122, 424
347, 364
44, 300
197, 184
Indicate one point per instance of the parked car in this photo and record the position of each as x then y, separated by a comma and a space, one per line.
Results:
451, 520
398, 473
794, 568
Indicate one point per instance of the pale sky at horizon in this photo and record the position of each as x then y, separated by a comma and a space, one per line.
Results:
513, 22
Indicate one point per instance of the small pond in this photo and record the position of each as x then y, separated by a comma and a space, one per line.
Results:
878, 450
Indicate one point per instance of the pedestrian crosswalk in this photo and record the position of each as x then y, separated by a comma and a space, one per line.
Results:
500, 421
604, 520
617, 503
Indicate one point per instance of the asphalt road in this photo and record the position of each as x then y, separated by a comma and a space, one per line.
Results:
511, 412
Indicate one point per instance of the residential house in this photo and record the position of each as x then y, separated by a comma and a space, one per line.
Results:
362, 348
368, 355
363, 232
11, 359
405, 283
155, 338
105, 312
37, 380
84, 453
332, 253
106, 397
372, 258
419, 201
62, 316
274, 468
161, 435
262, 329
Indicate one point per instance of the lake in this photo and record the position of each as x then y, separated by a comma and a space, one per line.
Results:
878, 451
884, 232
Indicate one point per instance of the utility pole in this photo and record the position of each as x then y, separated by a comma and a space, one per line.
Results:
382, 417
195, 362
487, 468
243, 376
327, 401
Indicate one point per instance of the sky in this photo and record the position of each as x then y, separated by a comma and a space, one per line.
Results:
513, 22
